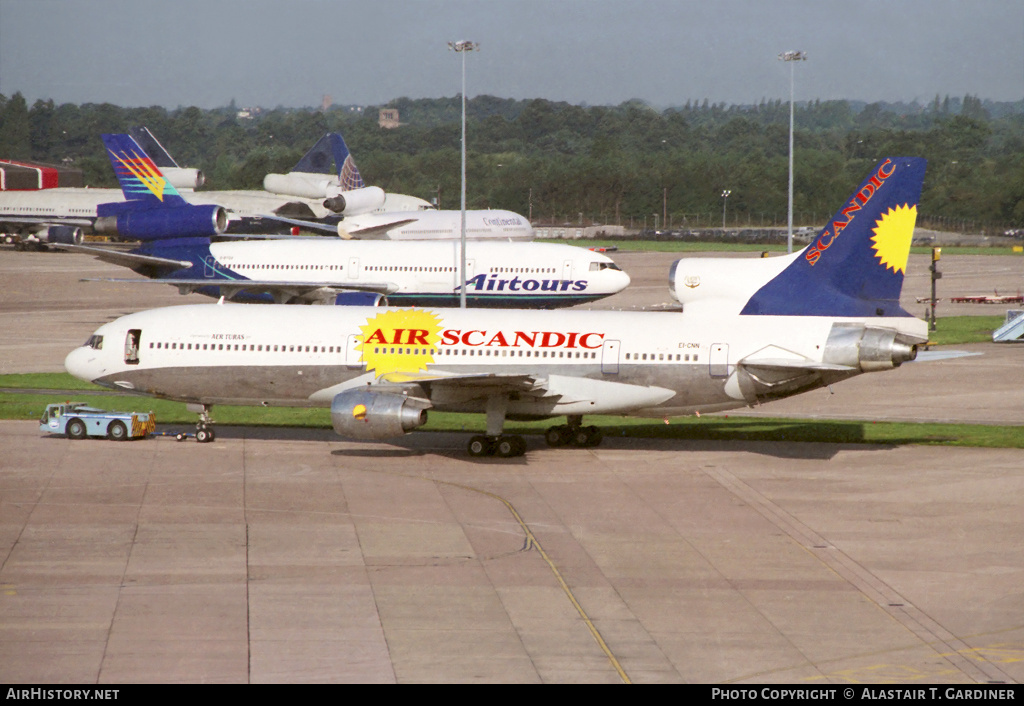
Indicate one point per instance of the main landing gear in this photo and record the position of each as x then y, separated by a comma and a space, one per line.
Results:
573, 434
503, 446
494, 443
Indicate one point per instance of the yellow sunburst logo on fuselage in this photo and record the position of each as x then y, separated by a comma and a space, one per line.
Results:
893, 233
400, 341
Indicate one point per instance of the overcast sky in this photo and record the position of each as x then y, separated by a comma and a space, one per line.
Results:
600, 52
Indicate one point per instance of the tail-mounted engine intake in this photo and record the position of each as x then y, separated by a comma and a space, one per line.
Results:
356, 201
134, 223
868, 348
366, 414
65, 235
184, 177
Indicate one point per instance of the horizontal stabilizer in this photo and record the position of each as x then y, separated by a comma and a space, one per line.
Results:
795, 365
932, 356
127, 259
282, 292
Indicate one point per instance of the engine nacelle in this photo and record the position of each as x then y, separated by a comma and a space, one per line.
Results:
699, 279
159, 223
356, 201
184, 177
306, 186
868, 348
360, 299
366, 414
65, 235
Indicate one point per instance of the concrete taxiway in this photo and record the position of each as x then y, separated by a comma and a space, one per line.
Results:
296, 556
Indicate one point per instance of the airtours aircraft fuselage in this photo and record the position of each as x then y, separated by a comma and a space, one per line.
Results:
528, 275
802, 322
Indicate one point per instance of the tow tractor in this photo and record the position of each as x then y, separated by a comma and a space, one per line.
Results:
79, 421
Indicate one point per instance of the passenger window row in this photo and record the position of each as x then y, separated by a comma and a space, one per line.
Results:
664, 357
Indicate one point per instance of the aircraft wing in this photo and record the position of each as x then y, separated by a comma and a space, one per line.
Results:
127, 259
308, 225
565, 394
43, 221
282, 292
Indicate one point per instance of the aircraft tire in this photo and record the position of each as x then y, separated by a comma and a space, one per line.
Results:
510, 446
205, 435
76, 429
480, 446
117, 431
557, 436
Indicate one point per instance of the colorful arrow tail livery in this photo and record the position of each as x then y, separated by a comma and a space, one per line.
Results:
140, 178
855, 266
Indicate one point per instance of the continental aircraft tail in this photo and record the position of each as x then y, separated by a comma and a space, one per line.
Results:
331, 149
855, 266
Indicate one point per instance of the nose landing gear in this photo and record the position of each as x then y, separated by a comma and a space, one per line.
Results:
204, 427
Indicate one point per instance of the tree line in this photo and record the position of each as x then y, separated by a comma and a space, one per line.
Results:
560, 163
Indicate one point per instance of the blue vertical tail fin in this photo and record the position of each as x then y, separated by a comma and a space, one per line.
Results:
141, 180
856, 264
331, 149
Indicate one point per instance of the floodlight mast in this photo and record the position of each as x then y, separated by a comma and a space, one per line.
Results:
462, 47
791, 56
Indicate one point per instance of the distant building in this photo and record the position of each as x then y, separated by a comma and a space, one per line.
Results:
32, 176
388, 118
326, 103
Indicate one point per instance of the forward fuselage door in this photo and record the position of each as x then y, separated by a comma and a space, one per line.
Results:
567, 270
610, 358
719, 360
352, 352
353, 268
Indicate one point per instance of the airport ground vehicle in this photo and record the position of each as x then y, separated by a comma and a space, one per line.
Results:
79, 421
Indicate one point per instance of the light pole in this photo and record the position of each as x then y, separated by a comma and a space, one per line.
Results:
725, 202
791, 56
461, 48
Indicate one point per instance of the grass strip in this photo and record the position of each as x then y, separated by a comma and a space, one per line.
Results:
706, 428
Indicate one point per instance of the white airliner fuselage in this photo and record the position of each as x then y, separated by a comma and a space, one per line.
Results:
540, 364
421, 273
438, 225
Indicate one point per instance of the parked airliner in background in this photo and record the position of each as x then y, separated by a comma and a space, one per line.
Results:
64, 215
328, 270
437, 225
800, 322
177, 250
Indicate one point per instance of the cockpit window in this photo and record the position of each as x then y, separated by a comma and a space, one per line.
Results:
95, 342
598, 266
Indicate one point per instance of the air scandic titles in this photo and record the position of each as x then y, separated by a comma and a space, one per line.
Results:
785, 326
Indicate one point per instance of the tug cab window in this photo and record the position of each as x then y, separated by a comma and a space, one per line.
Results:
131, 346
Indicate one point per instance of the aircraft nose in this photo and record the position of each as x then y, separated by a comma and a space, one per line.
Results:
82, 363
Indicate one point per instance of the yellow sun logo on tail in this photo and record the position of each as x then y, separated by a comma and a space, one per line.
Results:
401, 341
893, 233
